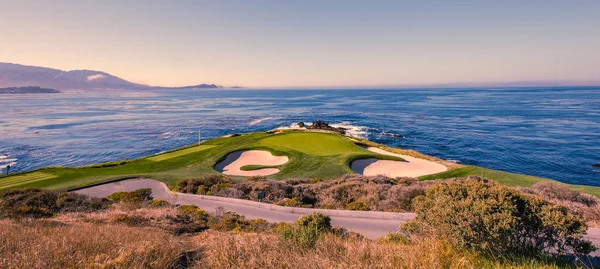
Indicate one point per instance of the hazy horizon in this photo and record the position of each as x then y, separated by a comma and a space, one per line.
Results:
310, 44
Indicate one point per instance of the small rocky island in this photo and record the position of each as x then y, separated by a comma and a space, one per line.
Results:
27, 89
321, 125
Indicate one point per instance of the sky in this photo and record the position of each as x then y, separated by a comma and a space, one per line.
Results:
308, 43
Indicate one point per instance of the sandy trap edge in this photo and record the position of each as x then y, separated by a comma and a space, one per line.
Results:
411, 167
234, 161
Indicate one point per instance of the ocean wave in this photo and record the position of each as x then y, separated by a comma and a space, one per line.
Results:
293, 126
352, 130
6, 161
259, 120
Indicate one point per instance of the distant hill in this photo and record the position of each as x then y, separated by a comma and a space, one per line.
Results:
199, 86
16, 75
27, 89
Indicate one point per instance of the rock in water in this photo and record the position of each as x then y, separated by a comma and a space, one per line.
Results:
321, 125
597, 165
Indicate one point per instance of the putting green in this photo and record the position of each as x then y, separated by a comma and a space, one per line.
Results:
178, 153
312, 155
318, 144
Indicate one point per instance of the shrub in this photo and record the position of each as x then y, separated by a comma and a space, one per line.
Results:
191, 185
137, 196
202, 190
358, 206
219, 187
293, 202
132, 220
315, 180
394, 238
232, 221
117, 197
304, 237
319, 221
555, 190
159, 203
194, 213
257, 225
491, 218
226, 222
38, 203
106, 164
257, 178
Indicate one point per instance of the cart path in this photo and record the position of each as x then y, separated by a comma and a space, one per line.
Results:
368, 223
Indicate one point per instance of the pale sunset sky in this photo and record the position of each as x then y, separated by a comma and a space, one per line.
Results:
308, 43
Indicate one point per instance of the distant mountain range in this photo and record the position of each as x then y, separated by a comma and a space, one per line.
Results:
16, 75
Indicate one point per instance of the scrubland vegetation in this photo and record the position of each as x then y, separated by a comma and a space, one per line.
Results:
355, 192
461, 223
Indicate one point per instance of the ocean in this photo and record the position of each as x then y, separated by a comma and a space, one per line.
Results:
547, 132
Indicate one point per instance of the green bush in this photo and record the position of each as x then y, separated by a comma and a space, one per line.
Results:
304, 237
129, 220
38, 203
202, 190
106, 164
491, 218
191, 185
319, 221
290, 202
358, 206
232, 221
137, 196
226, 222
219, 187
257, 178
194, 213
394, 238
257, 225
315, 180
159, 203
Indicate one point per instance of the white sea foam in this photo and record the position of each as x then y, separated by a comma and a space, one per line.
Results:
257, 121
352, 130
293, 126
6, 161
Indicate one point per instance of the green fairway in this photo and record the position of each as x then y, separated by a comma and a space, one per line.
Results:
178, 153
311, 155
318, 144
8, 182
199, 160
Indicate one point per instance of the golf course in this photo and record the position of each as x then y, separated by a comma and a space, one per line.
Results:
277, 155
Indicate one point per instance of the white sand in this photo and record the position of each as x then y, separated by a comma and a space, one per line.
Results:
236, 160
412, 167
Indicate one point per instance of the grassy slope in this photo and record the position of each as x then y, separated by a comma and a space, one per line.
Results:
199, 160
312, 155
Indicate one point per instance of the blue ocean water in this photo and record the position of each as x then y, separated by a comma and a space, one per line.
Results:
548, 132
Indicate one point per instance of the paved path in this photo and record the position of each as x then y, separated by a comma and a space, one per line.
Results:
369, 223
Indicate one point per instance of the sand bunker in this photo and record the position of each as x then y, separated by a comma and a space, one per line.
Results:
236, 160
412, 167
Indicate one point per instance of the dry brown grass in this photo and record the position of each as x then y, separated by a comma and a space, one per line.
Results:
93, 240
247, 250
51, 244
230, 250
